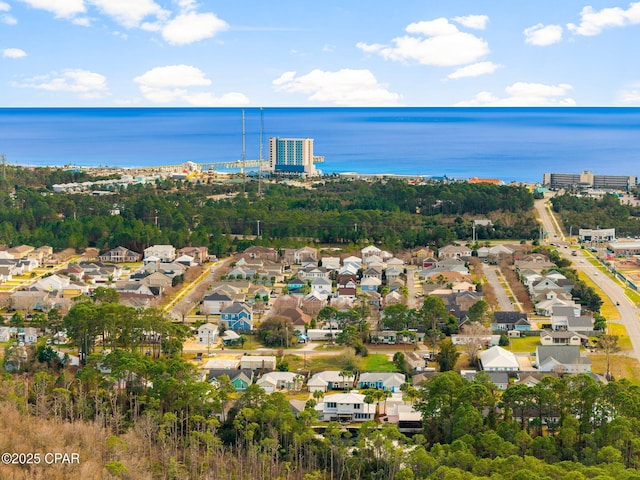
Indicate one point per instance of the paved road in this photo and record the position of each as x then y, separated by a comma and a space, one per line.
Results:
489, 272
628, 313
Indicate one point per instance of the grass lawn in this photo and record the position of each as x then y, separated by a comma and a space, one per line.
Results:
633, 295
624, 342
621, 366
608, 309
377, 362
525, 344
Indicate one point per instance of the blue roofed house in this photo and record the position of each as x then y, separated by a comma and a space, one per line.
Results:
238, 317
296, 285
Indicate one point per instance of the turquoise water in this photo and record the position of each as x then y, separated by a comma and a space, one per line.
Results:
506, 143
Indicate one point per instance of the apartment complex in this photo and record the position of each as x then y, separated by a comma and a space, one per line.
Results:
587, 179
293, 156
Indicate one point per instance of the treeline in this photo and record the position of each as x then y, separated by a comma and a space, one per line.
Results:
166, 424
605, 212
391, 213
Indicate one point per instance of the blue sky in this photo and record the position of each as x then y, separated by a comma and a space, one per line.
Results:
321, 53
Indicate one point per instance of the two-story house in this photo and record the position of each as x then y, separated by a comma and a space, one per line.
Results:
346, 408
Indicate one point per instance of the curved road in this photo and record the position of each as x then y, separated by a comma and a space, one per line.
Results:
627, 309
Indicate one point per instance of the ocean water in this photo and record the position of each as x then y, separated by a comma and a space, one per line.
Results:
506, 143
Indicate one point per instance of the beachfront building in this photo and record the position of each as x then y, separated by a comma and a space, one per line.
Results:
293, 156
587, 179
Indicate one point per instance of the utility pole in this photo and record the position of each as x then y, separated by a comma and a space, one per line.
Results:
258, 228
4, 171
244, 155
260, 159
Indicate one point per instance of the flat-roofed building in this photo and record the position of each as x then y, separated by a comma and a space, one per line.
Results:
587, 179
293, 156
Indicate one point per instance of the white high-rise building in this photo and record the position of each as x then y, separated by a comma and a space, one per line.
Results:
293, 156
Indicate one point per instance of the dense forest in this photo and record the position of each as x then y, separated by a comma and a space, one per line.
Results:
390, 213
606, 212
153, 418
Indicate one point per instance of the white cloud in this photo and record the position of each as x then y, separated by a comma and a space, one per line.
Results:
8, 19
4, 7
60, 8
543, 35
176, 83
130, 13
344, 87
523, 94
87, 85
630, 97
479, 22
13, 53
592, 22
444, 45
474, 70
192, 27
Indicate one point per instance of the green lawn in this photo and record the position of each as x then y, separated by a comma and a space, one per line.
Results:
525, 344
377, 362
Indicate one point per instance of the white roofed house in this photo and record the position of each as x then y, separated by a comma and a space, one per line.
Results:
498, 359
346, 408
165, 253
331, 263
454, 251
370, 251
330, 380
216, 302
322, 286
279, 381
207, 334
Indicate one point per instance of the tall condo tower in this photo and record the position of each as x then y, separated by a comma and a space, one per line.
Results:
293, 156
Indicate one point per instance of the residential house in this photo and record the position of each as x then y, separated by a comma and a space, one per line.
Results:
52, 283
393, 297
463, 287
238, 317
560, 315
120, 255
279, 381
561, 338
331, 263
28, 335
314, 302
293, 256
157, 279
373, 261
207, 334
330, 380
165, 253
498, 359
229, 337
311, 273
296, 286
564, 358
370, 251
347, 285
393, 273
505, 321
21, 251
297, 316
186, 260
5, 274
240, 379
499, 379
222, 363
264, 253
200, 255
258, 362
322, 286
214, 303
454, 251
5, 334
419, 255
353, 261
346, 408
370, 284
390, 381
372, 272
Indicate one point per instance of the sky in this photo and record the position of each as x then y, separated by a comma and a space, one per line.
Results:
297, 53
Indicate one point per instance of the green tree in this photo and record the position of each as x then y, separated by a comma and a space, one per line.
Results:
447, 356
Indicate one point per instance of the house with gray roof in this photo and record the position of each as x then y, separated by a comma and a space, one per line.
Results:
564, 358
